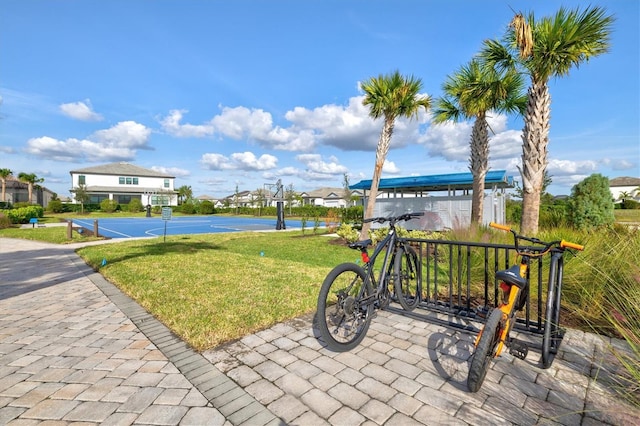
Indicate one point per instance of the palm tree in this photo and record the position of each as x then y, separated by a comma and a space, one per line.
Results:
471, 93
4, 174
185, 193
389, 96
31, 180
546, 48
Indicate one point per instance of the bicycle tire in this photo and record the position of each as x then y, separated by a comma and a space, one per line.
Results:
552, 315
341, 321
407, 282
485, 350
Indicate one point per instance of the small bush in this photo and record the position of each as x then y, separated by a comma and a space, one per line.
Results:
206, 207
135, 206
24, 214
5, 222
348, 233
591, 204
188, 208
108, 206
55, 206
630, 205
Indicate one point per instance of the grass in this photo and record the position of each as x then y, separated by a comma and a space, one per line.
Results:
627, 215
55, 235
214, 288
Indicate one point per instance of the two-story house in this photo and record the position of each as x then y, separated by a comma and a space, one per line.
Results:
123, 182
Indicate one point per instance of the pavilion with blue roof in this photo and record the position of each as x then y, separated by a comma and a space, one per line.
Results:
447, 182
445, 199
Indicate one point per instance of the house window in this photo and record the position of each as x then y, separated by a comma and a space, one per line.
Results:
82, 180
166, 183
127, 180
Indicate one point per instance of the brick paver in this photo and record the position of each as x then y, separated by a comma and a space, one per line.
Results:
73, 348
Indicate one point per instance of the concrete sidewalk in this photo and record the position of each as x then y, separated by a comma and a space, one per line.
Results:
73, 348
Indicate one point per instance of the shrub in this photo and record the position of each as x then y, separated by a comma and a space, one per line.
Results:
55, 206
348, 233
23, 214
628, 204
135, 206
108, 206
206, 207
188, 208
5, 222
591, 204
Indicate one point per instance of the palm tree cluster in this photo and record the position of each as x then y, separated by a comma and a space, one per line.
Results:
493, 81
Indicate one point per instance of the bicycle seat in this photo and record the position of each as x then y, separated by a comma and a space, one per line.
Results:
512, 276
360, 245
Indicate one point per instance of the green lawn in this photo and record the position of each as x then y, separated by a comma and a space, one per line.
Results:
215, 288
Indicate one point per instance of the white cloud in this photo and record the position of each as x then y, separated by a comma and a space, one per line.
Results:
171, 124
619, 164
119, 143
246, 161
80, 111
389, 167
173, 171
558, 167
348, 128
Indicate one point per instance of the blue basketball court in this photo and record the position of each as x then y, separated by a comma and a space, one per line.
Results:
155, 226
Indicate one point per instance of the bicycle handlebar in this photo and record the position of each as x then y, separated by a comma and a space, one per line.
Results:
394, 219
562, 244
567, 244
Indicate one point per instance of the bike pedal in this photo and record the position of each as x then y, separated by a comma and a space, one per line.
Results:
518, 349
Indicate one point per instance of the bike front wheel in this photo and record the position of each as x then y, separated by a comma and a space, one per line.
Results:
485, 350
407, 279
342, 315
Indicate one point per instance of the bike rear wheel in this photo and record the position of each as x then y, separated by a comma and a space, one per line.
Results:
485, 350
552, 331
407, 279
342, 319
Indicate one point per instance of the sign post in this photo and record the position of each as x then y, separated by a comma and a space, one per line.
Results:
166, 215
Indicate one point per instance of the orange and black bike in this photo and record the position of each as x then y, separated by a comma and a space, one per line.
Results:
514, 283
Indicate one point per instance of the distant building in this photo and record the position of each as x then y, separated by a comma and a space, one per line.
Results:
625, 185
18, 192
123, 182
329, 197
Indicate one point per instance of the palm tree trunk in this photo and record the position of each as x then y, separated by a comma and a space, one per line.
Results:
381, 155
30, 190
479, 165
535, 138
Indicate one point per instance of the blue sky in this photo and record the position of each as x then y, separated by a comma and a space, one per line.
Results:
242, 93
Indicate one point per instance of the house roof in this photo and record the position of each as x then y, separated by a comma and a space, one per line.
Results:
325, 193
624, 181
121, 169
438, 182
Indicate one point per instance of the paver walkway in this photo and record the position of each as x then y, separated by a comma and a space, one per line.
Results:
73, 348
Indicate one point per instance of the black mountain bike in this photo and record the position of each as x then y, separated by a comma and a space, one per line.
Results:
348, 298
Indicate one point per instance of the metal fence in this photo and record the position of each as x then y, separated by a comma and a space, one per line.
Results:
458, 280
